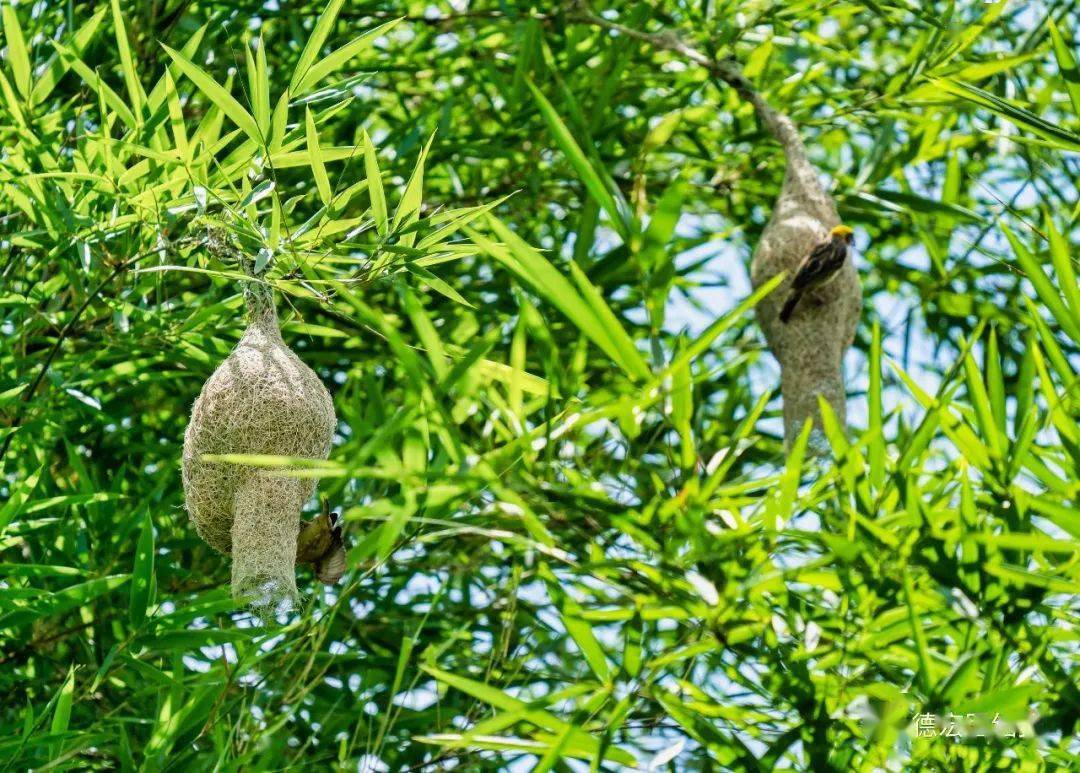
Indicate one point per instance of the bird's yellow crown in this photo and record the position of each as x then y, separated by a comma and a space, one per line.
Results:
841, 230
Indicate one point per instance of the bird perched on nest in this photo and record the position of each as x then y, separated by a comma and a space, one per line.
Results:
321, 544
819, 267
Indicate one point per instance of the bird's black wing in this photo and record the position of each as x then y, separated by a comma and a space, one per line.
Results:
825, 260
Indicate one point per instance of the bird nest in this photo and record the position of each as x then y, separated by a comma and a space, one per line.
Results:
261, 400
810, 347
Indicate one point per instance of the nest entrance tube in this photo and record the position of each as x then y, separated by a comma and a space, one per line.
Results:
264, 549
261, 400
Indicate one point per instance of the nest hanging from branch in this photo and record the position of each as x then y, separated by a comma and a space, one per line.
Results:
810, 347
261, 400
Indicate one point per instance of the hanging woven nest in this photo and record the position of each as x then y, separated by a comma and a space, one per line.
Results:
810, 347
261, 400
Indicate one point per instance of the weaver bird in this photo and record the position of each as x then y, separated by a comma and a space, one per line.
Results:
819, 267
321, 544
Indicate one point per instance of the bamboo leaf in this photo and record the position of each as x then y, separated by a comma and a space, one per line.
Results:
984, 413
334, 61
1025, 119
375, 187
530, 266
1048, 294
725, 322
56, 67
142, 575
61, 718
537, 716
995, 385
436, 284
322, 182
217, 94
582, 634
1062, 259
922, 649
260, 87
1066, 62
315, 42
127, 64
408, 209
108, 96
18, 57
18, 498
278, 124
875, 426
590, 178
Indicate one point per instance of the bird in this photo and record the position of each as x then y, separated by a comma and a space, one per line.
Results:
321, 544
819, 267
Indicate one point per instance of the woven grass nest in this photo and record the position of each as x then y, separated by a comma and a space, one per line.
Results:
810, 347
261, 400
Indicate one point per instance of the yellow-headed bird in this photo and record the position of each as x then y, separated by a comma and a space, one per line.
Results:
820, 266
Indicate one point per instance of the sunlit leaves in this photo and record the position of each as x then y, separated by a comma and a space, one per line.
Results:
61, 717
1055, 135
318, 168
56, 68
588, 312
408, 209
1066, 62
142, 576
127, 62
312, 47
580, 743
601, 190
338, 58
1047, 291
217, 94
375, 186
574, 530
18, 58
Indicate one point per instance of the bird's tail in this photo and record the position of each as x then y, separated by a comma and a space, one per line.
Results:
332, 566
789, 307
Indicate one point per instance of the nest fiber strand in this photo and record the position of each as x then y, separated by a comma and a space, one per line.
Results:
261, 400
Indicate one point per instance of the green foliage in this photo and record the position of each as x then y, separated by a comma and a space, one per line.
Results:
512, 241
